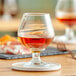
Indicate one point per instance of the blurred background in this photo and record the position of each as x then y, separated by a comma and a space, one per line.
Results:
11, 12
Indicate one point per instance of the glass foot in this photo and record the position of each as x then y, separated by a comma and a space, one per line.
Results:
64, 39
29, 66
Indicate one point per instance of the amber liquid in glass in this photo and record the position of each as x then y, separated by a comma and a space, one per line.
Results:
68, 21
68, 18
35, 42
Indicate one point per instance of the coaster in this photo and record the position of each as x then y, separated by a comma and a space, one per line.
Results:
23, 67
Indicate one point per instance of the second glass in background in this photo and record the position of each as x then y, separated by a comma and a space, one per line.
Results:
66, 13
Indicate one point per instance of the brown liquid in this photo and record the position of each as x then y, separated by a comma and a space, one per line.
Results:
68, 21
36, 42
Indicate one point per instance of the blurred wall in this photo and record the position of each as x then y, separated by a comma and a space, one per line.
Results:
37, 6
46, 6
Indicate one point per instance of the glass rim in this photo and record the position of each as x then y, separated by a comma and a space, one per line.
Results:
36, 14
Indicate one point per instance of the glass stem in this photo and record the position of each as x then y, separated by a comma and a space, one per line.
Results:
36, 57
69, 33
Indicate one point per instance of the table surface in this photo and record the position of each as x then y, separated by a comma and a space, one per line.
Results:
68, 67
